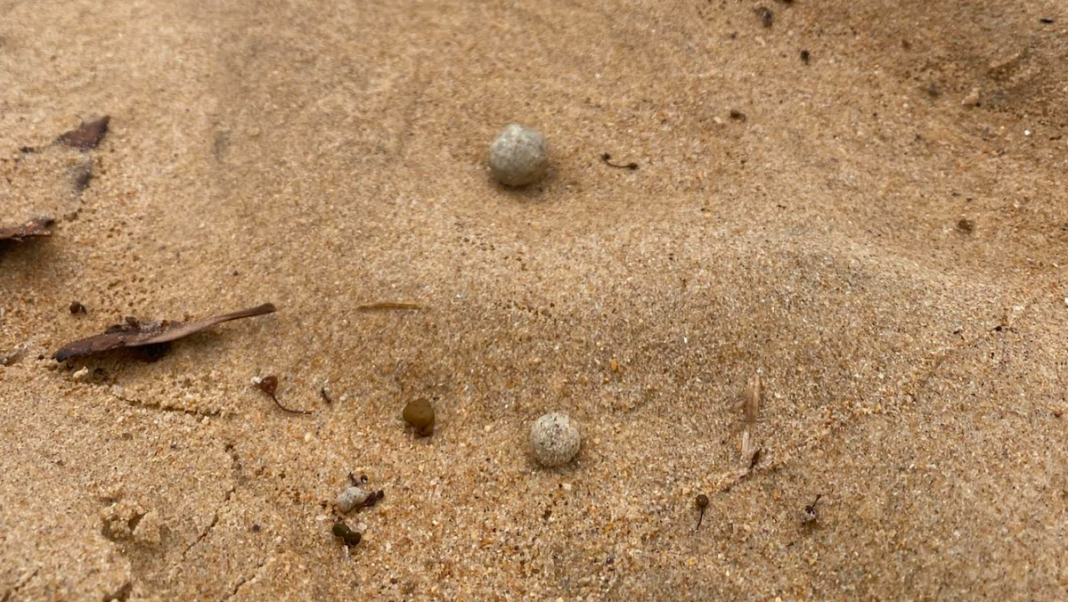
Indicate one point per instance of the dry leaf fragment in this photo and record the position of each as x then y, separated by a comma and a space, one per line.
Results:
754, 393
388, 305
137, 334
88, 135
38, 226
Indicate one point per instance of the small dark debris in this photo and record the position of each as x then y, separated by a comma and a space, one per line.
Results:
325, 396
13, 358
255, 528
137, 334
766, 16
738, 115
811, 515
607, 158
77, 308
373, 499
966, 226
346, 535
755, 458
388, 305
1046, 21
151, 353
38, 226
83, 175
87, 136
933, 90
269, 384
806, 57
701, 502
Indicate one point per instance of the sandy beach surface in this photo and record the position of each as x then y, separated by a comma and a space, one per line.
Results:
878, 233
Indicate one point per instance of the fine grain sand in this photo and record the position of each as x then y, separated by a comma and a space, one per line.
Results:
887, 259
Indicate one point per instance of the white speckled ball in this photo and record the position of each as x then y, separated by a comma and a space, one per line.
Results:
352, 497
518, 156
554, 439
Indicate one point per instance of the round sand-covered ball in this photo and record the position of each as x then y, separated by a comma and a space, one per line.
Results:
518, 156
554, 439
420, 414
352, 497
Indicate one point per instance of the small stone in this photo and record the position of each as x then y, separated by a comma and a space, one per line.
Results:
972, 99
352, 497
554, 439
420, 414
80, 374
518, 156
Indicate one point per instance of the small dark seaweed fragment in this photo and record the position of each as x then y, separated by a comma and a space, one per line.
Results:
607, 161
269, 385
346, 535
701, 502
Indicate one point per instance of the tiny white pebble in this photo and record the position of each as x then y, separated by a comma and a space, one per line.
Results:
351, 497
1027, 132
518, 156
256, 380
554, 439
80, 374
307, 437
567, 486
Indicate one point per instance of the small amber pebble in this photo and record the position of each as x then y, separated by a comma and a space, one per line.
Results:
420, 414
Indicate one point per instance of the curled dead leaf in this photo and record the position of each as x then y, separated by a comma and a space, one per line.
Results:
137, 334
38, 226
88, 135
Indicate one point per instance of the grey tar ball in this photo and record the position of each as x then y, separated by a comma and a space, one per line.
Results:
518, 156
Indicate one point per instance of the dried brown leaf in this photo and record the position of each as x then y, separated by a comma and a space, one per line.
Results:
88, 135
38, 226
137, 334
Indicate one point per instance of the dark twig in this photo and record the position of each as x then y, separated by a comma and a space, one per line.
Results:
606, 157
